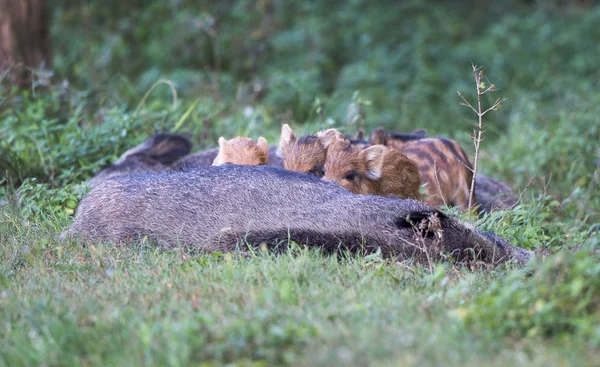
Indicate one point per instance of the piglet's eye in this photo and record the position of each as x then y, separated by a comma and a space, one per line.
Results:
317, 171
351, 176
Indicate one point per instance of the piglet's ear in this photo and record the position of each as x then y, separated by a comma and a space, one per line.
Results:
262, 144
223, 144
287, 138
373, 157
330, 136
287, 135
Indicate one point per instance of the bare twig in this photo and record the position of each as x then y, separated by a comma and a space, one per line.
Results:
478, 131
523, 192
465, 102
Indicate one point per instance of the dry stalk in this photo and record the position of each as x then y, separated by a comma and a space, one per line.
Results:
478, 131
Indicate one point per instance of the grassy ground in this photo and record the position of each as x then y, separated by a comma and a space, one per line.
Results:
266, 63
64, 304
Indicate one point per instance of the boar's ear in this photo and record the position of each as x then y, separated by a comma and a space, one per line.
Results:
262, 144
428, 222
377, 137
331, 136
287, 138
373, 157
167, 148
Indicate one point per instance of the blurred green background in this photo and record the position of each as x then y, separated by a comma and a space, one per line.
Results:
123, 70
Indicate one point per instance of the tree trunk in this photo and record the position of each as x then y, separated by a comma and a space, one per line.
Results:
24, 39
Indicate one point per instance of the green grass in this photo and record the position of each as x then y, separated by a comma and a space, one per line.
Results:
65, 305
303, 63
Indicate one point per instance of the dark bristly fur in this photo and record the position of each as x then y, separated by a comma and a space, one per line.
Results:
154, 155
494, 194
217, 207
200, 159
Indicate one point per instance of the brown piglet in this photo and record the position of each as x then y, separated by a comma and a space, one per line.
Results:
242, 151
307, 153
443, 165
376, 170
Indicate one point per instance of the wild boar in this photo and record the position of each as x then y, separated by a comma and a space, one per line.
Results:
491, 194
304, 154
376, 170
444, 174
242, 150
207, 157
228, 207
443, 165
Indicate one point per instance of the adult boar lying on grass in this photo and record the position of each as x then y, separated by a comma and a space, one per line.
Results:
219, 208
